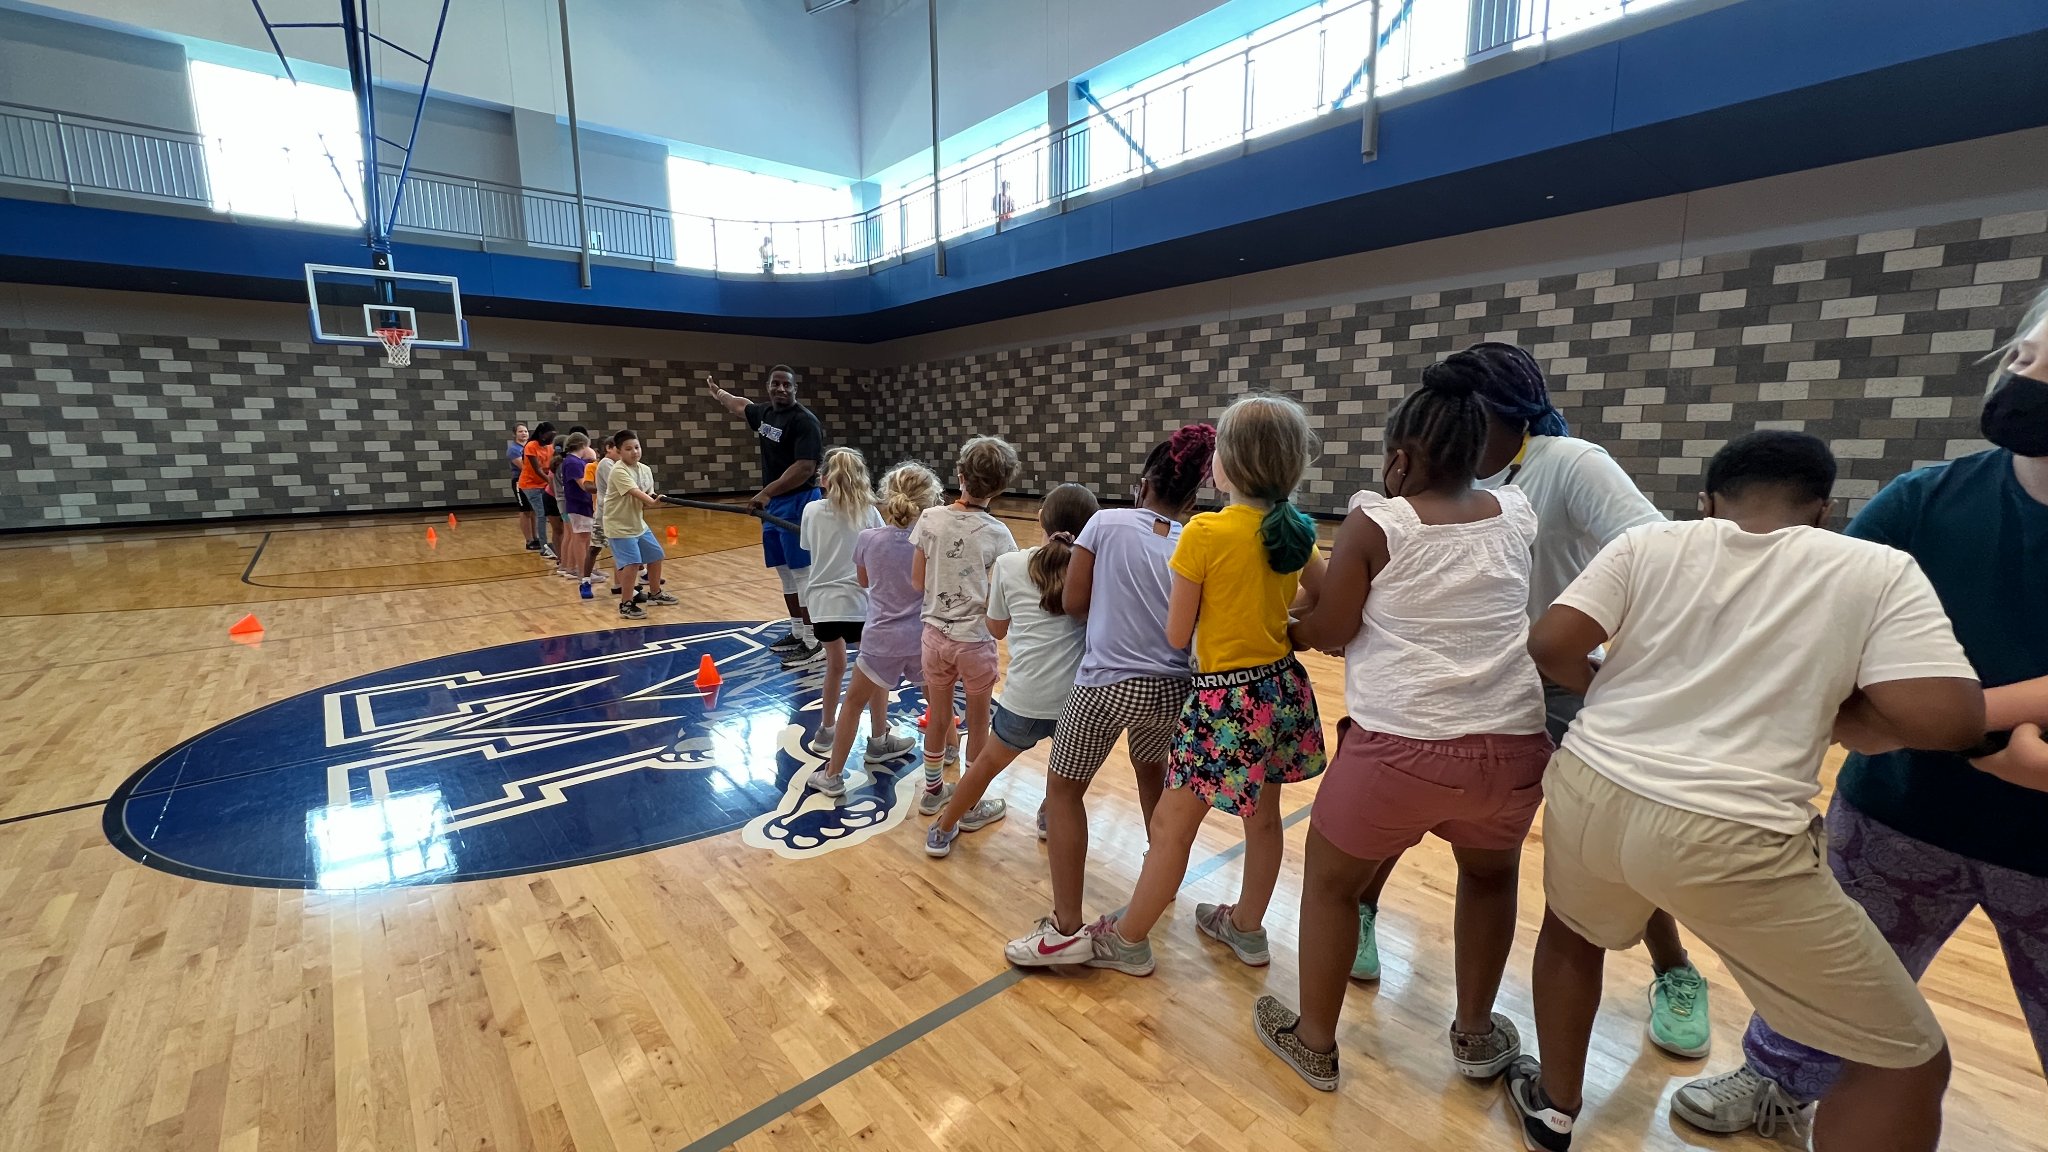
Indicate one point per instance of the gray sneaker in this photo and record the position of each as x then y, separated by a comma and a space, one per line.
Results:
1111, 950
1041, 821
829, 786
1275, 1026
984, 814
1213, 921
938, 843
1739, 1100
882, 749
931, 800
1484, 1055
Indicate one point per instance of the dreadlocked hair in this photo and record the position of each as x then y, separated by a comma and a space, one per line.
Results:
847, 486
1179, 466
1443, 425
1264, 444
907, 490
1065, 512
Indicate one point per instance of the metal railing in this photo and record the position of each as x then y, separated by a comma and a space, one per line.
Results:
1289, 73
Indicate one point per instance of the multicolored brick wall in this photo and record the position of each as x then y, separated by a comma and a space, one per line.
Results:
1870, 341
98, 427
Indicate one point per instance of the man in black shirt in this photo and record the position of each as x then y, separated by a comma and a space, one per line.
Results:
792, 448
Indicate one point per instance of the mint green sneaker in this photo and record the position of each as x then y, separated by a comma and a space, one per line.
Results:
1679, 1023
1366, 966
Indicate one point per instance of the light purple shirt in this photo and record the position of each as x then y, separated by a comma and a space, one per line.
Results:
1127, 603
895, 625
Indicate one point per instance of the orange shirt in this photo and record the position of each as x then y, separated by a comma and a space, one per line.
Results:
539, 457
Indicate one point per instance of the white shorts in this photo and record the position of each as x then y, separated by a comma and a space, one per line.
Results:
581, 524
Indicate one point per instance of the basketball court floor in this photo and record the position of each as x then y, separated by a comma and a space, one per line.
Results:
457, 862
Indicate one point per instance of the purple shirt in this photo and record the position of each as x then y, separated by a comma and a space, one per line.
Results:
575, 501
1127, 602
895, 624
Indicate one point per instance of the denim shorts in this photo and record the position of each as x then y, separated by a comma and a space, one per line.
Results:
1019, 732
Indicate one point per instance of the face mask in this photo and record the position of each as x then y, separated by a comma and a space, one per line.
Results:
2016, 415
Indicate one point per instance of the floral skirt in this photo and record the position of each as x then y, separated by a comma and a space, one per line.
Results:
1244, 728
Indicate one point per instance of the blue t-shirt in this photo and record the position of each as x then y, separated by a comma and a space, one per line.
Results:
1127, 598
1983, 542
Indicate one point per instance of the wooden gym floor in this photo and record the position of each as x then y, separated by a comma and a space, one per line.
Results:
700, 996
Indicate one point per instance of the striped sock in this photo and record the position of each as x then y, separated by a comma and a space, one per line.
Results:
933, 778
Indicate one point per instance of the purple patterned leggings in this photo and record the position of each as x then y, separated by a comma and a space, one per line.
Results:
1917, 895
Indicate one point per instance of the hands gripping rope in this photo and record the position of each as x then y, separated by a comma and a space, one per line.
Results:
740, 509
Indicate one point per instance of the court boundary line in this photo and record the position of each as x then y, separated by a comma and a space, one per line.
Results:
79, 807
787, 1101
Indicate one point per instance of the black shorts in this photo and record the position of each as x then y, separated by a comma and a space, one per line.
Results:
847, 630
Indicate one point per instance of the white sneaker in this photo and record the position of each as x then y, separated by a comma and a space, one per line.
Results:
1740, 1100
1046, 946
882, 749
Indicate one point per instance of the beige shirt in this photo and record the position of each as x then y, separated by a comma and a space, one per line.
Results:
625, 516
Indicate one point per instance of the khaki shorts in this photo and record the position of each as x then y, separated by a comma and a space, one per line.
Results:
1805, 954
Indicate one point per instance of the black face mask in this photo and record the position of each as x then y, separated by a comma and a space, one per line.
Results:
2016, 415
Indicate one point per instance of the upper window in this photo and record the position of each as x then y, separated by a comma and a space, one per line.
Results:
739, 221
279, 149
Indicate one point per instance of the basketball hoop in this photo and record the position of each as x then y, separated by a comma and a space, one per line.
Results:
397, 346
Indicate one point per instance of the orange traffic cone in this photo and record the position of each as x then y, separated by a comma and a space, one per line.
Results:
671, 531
707, 673
431, 538
246, 626
925, 720
451, 519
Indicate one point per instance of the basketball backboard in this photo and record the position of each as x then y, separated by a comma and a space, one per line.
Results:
349, 305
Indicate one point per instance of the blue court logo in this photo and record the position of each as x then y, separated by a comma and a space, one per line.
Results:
511, 760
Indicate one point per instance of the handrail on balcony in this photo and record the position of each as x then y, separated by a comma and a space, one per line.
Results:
1180, 114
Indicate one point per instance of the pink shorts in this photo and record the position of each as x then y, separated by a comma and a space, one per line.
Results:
971, 662
1383, 793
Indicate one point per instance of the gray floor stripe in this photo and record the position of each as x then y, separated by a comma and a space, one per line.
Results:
767, 1112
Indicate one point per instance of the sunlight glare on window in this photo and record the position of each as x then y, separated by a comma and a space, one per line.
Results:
762, 223
279, 149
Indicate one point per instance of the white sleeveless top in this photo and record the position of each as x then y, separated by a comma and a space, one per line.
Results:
1444, 651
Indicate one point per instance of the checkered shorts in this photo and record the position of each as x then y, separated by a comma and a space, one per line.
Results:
1148, 707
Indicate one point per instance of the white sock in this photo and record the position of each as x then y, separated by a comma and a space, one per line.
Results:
804, 633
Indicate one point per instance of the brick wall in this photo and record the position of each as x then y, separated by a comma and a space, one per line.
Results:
1870, 341
101, 428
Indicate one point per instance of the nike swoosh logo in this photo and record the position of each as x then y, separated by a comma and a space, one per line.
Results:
1044, 951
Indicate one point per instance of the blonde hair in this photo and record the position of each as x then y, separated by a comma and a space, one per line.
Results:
907, 490
1263, 445
988, 464
2003, 355
847, 485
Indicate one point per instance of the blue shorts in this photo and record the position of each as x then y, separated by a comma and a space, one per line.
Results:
781, 547
631, 550
1021, 733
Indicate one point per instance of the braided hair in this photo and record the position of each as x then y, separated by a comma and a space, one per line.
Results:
1443, 424
1512, 384
1179, 465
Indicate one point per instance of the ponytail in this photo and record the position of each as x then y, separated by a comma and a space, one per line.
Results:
1066, 511
1289, 536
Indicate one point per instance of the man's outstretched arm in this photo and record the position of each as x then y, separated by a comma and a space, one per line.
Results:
737, 405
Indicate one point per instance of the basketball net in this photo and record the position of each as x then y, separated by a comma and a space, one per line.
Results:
397, 346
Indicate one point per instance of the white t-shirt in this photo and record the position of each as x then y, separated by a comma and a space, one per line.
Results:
959, 545
834, 594
1045, 650
1730, 653
1582, 500
1444, 651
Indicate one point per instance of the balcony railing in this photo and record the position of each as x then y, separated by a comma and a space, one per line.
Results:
1289, 73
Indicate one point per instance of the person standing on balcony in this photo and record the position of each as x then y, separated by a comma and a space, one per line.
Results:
792, 450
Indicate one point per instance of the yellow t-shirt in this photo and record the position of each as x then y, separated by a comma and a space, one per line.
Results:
624, 517
1244, 602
